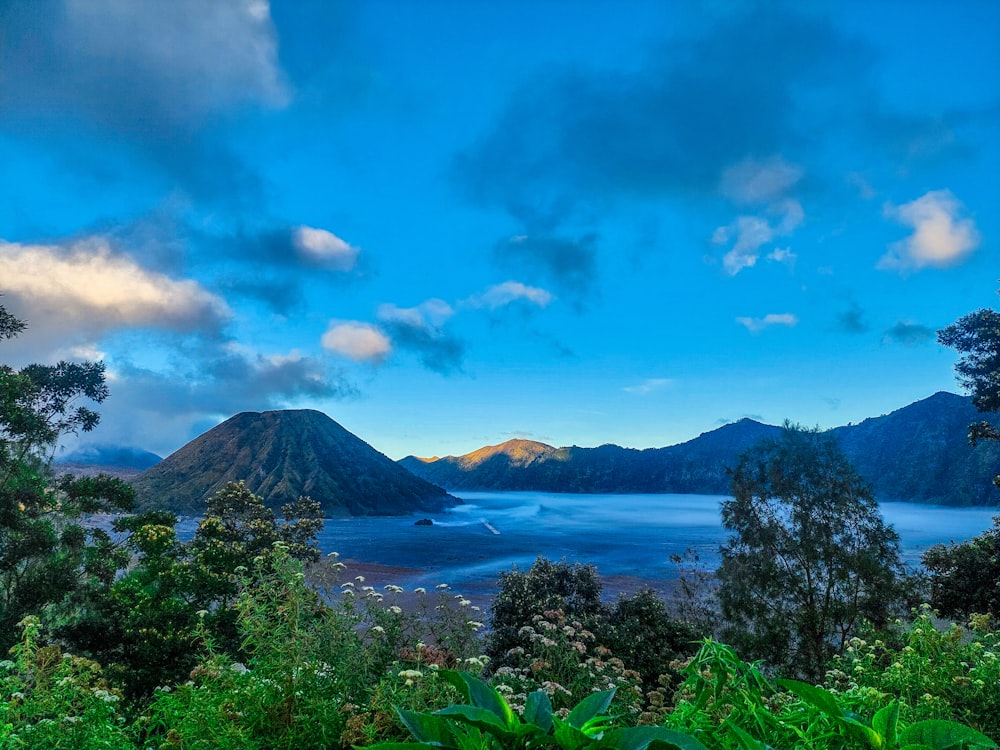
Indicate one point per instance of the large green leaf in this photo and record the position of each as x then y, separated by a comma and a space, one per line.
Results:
479, 717
569, 737
428, 728
478, 693
885, 722
747, 742
648, 738
591, 706
538, 710
944, 735
814, 696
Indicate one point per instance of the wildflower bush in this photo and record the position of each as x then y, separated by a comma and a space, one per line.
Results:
318, 674
727, 703
563, 659
550, 629
50, 699
937, 673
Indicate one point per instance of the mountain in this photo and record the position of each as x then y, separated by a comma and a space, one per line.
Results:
922, 452
918, 453
282, 455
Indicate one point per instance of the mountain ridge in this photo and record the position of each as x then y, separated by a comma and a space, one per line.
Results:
918, 453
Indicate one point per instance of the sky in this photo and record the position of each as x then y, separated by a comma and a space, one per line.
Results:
449, 224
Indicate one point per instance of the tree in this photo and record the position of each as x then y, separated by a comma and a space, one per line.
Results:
977, 337
145, 629
810, 557
48, 555
965, 578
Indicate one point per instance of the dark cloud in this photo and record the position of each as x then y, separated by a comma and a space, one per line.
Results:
567, 261
908, 333
571, 141
280, 293
699, 105
219, 384
852, 320
147, 75
436, 349
143, 68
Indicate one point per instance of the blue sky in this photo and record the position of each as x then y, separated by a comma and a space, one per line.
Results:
448, 224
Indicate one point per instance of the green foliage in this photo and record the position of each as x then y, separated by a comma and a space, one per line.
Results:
289, 692
48, 556
487, 720
51, 700
573, 589
809, 557
936, 673
976, 337
551, 631
646, 638
728, 703
564, 660
884, 731
965, 577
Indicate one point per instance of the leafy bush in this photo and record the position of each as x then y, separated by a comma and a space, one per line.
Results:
730, 704
573, 589
563, 660
487, 720
51, 700
936, 674
643, 635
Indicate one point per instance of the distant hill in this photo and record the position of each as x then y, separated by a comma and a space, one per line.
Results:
111, 455
282, 455
918, 453
116, 460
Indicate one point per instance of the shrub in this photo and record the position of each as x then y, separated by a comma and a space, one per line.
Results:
563, 659
936, 673
53, 700
573, 589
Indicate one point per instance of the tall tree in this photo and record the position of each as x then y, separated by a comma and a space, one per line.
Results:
965, 578
47, 553
810, 557
976, 337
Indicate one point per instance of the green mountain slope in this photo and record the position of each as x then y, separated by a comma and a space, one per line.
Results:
281, 455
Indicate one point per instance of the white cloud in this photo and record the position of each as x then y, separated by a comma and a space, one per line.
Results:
759, 181
324, 248
651, 385
782, 255
756, 325
751, 233
427, 315
508, 292
88, 284
762, 183
361, 342
941, 236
